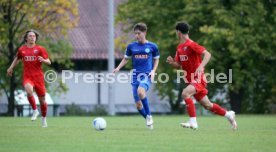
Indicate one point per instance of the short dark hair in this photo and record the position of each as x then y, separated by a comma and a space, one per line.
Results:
28, 31
141, 27
183, 27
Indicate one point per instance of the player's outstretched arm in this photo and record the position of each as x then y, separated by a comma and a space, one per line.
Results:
46, 61
173, 63
122, 64
14, 63
153, 71
155, 64
206, 58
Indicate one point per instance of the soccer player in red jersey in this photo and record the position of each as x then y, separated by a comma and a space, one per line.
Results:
188, 56
33, 56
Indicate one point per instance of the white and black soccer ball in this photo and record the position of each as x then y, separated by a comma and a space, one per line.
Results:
99, 123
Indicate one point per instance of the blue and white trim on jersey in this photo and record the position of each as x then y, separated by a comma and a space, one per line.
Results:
127, 56
157, 57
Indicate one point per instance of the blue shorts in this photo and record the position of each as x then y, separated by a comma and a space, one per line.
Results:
140, 81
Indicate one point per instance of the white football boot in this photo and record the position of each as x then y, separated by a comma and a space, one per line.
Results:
149, 121
35, 114
44, 122
188, 124
230, 115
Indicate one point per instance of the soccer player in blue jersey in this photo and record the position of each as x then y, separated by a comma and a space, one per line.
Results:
145, 59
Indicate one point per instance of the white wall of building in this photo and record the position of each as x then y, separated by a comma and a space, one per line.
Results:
83, 91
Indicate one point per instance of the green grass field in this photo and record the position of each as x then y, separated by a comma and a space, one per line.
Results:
256, 133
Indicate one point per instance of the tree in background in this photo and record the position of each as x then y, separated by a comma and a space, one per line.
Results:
239, 34
52, 19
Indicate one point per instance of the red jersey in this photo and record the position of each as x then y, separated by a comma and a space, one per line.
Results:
29, 56
188, 54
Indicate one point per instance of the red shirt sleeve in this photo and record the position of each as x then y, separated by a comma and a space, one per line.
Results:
176, 58
197, 48
19, 54
44, 53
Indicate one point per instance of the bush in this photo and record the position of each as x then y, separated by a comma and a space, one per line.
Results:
74, 110
99, 110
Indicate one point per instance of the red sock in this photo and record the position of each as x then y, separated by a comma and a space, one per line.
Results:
32, 102
43, 108
218, 110
190, 106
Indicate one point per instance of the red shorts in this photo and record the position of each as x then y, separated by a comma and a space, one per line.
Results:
201, 90
38, 85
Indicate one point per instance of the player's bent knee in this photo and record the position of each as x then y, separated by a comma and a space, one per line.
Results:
29, 94
139, 105
185, 95
141, 93
41, 100
207, 106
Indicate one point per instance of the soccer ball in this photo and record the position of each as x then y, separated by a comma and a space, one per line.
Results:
99, 123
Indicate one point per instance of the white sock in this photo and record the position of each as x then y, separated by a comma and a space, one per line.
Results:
227, 114
193, 120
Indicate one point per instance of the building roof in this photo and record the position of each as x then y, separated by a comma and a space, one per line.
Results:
90, 37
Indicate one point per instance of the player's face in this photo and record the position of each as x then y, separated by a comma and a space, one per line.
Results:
140, 36
178, 34
181, 36
31, 38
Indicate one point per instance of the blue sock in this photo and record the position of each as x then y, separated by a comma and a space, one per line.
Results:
142, 112
146, 105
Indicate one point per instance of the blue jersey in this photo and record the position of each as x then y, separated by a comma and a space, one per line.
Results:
142, 56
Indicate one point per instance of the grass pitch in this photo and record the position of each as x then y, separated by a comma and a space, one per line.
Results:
256, 133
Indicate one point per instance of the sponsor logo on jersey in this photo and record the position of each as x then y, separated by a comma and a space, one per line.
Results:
30, 58
147, 50
141, 56
183, 57
185, 48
